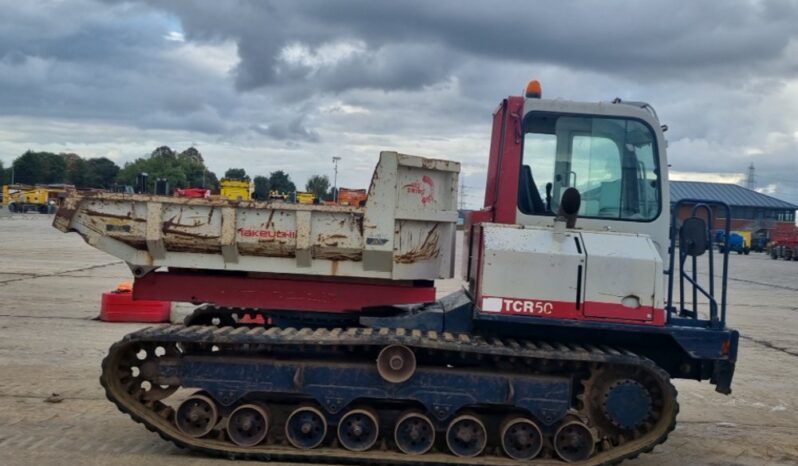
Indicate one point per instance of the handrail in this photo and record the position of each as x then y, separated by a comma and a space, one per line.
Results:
716, 319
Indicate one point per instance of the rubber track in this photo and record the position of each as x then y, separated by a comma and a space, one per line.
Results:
462, 343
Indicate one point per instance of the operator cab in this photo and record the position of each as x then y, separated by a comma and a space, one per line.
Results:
612, 153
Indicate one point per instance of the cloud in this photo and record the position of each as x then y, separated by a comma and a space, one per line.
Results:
291, 129
269, 85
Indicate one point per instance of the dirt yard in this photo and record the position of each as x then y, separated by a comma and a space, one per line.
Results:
50, 286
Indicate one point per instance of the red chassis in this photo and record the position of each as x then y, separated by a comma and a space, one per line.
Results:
278, 293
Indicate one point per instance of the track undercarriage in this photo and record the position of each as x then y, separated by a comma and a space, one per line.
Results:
389, 396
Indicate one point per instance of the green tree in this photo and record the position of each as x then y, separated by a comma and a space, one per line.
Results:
163, 151
236, 174
46, 168
100, 173
210, 181
193, 153
40, 167
76, 171
280, 181
181, 170
3, 174
319, 185
261, 187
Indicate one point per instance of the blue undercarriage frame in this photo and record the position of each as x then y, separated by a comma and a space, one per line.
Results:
336, 386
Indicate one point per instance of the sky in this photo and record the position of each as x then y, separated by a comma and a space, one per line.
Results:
269, 85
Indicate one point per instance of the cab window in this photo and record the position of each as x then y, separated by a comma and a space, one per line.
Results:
611, 161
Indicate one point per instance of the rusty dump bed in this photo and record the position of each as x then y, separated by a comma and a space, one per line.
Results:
405, 231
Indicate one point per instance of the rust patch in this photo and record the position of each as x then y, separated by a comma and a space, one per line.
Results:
337, 254
186, 234
94, 213
429, 249
266, 249
269, 221
194, 248
63, 217
330, 240
359, 221
353, 257
177, 223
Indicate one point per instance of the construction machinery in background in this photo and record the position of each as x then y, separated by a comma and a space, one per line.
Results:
319, 337
201, 193
747, 239
784, 242
759, 242
305, 198
279, 196
345, 197
21, 198
236, 189
353, 197
736, 241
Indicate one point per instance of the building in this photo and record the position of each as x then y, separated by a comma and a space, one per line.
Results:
750, 210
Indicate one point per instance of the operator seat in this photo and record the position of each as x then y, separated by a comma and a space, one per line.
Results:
529, 200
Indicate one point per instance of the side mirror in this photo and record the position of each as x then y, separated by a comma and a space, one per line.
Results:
569, 206
693, 236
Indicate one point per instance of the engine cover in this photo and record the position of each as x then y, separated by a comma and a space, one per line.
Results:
569, 274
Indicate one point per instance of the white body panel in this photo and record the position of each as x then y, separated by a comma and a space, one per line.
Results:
622, 269
570, 274
404, 232
529, 263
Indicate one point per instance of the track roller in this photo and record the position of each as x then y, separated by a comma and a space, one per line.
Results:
466, 436
248, 425
521, 438
396, 363
414, 433
196, 416
358, 429
306, 427
574, 442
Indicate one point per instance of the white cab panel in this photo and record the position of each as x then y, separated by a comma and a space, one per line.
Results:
524, 266
624, 276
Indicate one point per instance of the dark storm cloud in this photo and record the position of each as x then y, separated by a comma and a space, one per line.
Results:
643, 40
320, 77
88, 60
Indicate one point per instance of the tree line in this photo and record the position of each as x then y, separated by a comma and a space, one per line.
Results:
280, 182
49, 168
181, 169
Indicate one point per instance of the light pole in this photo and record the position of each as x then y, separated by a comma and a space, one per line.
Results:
335, 160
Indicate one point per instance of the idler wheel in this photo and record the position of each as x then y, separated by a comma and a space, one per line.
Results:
521, 438
248, 425
414, 433
358, 430
626, 404
396, 363
306, 427
574, 442
466, 436
196, 416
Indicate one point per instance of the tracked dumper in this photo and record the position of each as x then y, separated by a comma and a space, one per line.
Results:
319, 339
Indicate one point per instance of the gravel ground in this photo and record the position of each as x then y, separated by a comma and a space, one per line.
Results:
50, 286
